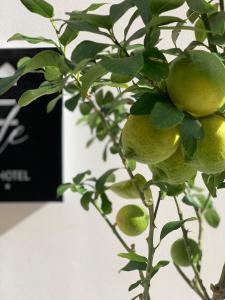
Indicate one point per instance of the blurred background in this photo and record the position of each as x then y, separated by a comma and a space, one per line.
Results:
58, 251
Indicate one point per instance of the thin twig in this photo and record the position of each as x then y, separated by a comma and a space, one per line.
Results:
189, 282
157, 205
185, 235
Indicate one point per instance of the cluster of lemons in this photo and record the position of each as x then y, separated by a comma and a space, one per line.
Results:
195, 85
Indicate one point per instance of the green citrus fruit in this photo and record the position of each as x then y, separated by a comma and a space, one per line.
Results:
174, 170
210, 154
127, 189
196, 82
159, 6
132, 220
144, 143
179, 253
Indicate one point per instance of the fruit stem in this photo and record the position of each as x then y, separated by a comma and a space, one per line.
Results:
205, 20
219, 289
151, 251
185, 236
189, 282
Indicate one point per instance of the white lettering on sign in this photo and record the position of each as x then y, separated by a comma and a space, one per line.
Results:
11, 131
14, 175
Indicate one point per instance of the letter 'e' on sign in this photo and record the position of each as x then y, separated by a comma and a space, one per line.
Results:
30, 139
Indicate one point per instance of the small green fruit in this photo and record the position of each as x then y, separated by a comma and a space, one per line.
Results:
179, 253
132, 220
127, 189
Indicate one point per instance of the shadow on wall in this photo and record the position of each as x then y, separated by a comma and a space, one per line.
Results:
12, 214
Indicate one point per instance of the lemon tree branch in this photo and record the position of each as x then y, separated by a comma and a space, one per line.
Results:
185, 235
219, 289
151, 251
189, 282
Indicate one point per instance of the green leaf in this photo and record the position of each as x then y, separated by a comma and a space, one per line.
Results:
62, 188
133, 265
90, 77
71, 103
132, 256
212, 217
106, 205
144, 10
211, 183
200, 33
124, 66
163, 20
131, 21
52, 104
174, 225
94, 6
118, 10
30, 39
87, 49
39, 7
68, 35
137, 35
98, 21
216, 21
134, 285
176, 32
84, 26
156, 66
86, 199
29, 96
192, 200
165, 115
146, 102
160, 264
79, 177
100, 183
190, 131
7, 82
200, 6
52, 73
45, 58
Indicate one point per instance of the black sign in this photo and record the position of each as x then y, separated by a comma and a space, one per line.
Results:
30, 139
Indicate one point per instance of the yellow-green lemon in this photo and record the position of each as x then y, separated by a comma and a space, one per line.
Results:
128, 190
179, 253
174, 170
210, 154
132, 220
159, 6
196, 82
144, 143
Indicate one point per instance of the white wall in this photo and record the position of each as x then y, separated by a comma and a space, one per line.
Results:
60, 252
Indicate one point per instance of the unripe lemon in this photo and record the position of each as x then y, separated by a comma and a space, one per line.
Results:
196, 82
159, 6
127, 189
174, 170
210, 154
179, 253
144, 143
132, 220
